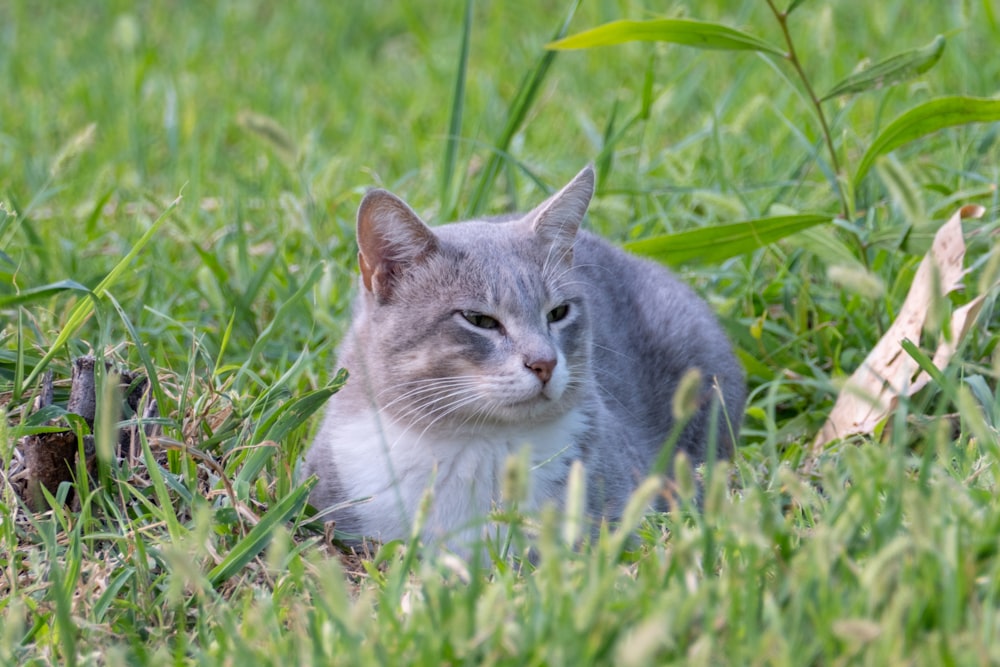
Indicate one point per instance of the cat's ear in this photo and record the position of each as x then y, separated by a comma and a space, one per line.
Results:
558, 218
391, 238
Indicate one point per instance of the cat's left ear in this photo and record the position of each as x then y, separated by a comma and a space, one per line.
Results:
558, 218
391, 238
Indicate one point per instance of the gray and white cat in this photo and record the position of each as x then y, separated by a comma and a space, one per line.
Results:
475, 339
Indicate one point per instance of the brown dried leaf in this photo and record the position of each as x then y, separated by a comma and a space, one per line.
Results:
888, 372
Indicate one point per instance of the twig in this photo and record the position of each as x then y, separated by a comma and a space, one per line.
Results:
793, 58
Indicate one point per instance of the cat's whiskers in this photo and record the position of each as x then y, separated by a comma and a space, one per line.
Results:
557, 279
447, 410
591, 265
416, 394
482, 416
559, 261
425, 382
429, 405
607, 392
612, 350
429, 386
444, 410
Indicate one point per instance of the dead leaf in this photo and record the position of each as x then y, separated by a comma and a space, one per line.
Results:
888, 372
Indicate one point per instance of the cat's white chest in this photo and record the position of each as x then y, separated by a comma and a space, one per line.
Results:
396, 466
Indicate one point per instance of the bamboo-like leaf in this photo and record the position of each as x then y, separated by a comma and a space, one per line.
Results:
793, 5
260, 535
714, 244
699, 34
41, 292
891, 71
924, 119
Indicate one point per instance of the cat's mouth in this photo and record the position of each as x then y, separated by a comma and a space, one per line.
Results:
538, 401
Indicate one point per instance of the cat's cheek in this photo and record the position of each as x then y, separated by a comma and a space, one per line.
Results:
477, 347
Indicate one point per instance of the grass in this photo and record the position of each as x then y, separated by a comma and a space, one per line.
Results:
269, 122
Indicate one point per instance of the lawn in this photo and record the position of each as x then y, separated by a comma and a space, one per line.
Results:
178, 185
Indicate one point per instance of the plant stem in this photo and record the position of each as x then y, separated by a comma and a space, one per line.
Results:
793, 58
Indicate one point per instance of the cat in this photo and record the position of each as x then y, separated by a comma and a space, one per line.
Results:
474, 339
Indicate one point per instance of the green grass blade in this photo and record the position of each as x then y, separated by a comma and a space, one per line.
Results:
280, 317
296, 412
925, 362
455, 124
698, 34
252, 464
516, 115
143, 351
119, 268
260, 535
891, 71
164, 509
85, 308
714, 244
7, 217
226, 336
925, 119
65, 627
903, 189
19, 357
110, 594
41, 292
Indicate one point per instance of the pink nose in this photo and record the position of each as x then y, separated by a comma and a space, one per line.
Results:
542, 368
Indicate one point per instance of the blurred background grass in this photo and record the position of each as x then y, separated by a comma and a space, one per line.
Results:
271, 119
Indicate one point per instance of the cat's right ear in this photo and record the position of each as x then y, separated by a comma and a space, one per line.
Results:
558, 218
391, 238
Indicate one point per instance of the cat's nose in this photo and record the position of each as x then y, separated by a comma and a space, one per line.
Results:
542, 368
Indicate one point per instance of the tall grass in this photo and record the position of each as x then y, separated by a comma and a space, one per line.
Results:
271, 120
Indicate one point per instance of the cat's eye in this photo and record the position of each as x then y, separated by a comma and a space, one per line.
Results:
558, 313
479, 320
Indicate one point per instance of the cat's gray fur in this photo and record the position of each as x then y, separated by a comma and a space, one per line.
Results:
437, 398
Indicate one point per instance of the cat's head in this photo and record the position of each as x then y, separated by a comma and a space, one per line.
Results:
472, 323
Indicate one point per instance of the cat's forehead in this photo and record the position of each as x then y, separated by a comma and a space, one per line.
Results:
476, 232
496, 242
501, 263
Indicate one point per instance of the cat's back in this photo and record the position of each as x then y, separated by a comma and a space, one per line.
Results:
649, 328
